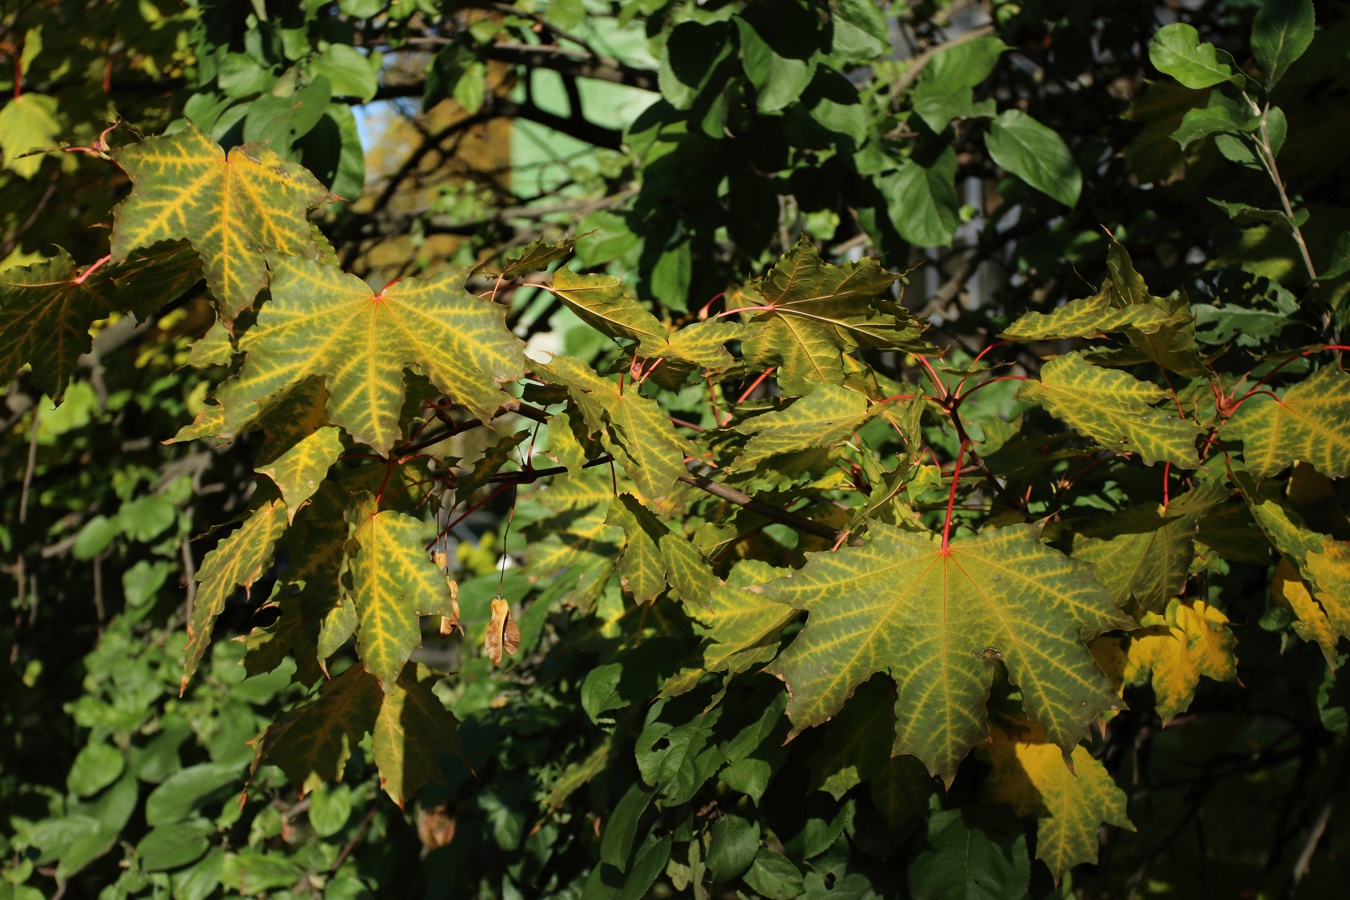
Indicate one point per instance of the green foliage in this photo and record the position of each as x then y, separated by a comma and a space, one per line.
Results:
843, 580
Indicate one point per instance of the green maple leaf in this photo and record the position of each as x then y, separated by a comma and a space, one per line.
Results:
632, 427
393, 583
1144, 553
323, 322
816, 312
236, 209
411, 729
1311, 422
534, 256
46, 309
602, 302
237, 561
654, 556
1069, 806
300, 470
313, 741
1114, 408
858, 750
938, 623
826, 415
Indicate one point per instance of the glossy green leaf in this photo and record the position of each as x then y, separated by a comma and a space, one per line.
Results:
1176, 50
923, 205
1115, 409
1281, 32
939, 623
1036, 154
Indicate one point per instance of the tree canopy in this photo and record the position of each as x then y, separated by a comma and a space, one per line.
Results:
760, 448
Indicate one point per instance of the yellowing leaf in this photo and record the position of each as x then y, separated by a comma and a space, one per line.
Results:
1311, 622
46, 309
313, 741
1086, 317
503, 635
815, 312
602, 302
1173, 651
1144, 553
1311, 422
632, 427
322, 322
393, 583
237, 561
1115, 409
236, 209
1329, 569
299, 471
742, 621
826, 415
642, 568
939, 624
1069, 806
410, 730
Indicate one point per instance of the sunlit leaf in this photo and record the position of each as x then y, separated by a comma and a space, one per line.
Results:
938, 624
299, 471
236, 209
1114, 408
393, 583
322, 322
503, 635
1172, 651
1069, 806
1311, 422
828, 414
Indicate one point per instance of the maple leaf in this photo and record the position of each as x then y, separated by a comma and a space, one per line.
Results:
1087, 317
1311, 422
938, 624
1172, 651
654, 556
236, 209
313, 741
1069, 806
299, 471
813, 312
827, 414
632, 427
858, 749
47, 308
603, 302
237, 561
1319, 590
412, 728
1115, 409
393, 583
742, 622
534, 256
1144, 553
323, 322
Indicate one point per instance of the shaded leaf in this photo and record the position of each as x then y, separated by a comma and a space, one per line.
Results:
411, 729
1281, 31
1034, 153
313, 741
924, 205
237, 561
235, 209
939, 623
